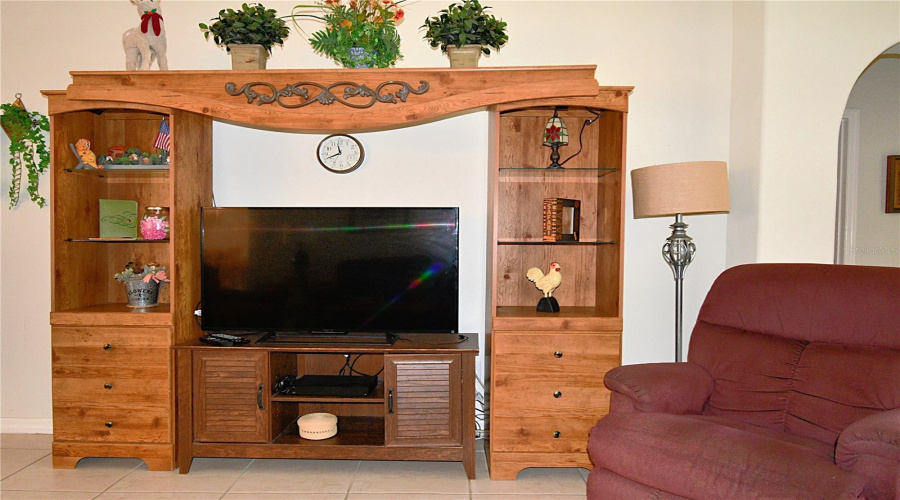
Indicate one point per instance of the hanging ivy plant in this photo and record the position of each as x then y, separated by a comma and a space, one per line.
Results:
27, 149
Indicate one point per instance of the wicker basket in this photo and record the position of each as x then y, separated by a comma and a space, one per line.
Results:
316, 426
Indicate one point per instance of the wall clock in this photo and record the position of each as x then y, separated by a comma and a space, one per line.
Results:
340, 153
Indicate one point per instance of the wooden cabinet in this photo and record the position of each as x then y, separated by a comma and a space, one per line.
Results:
422, 408
423, 400
546, 369
113, 376
231, 397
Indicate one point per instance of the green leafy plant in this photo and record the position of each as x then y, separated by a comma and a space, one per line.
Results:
368, 25
147, 273
252, 24
465, 23
27, 149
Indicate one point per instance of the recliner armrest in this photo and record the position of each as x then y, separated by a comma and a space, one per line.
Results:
870, 447
877, 434
676, 388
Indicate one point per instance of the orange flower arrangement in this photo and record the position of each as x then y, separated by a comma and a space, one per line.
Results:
353, 27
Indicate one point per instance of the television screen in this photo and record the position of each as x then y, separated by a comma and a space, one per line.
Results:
323, 270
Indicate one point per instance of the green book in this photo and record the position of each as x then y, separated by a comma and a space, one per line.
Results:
118, 219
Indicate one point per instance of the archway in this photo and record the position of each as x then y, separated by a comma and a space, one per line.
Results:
870, 131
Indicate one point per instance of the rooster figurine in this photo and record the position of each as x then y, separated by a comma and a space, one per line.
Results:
546, 283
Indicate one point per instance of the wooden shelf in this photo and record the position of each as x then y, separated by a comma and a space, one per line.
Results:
352, 431
569, 319
377, 397
115, 314
90, 240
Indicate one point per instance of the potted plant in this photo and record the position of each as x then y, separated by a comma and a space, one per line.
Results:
464, 31
142, 284
27, 148
357, 33
248, 34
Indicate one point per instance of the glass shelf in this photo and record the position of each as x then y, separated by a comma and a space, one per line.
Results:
539, 242
561, 170
125, 172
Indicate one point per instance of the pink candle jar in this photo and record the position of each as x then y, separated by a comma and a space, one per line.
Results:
155, 223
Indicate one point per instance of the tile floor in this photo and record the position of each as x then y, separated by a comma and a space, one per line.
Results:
25, 468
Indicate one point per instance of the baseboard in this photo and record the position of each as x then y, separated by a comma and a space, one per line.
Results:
26, 425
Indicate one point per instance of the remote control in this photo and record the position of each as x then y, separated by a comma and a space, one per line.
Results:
229, 338
214, 341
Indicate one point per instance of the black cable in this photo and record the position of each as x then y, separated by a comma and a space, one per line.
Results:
580, 134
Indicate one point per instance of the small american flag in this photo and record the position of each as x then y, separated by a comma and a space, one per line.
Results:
162, 139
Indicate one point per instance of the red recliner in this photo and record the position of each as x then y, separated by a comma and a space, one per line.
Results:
791, 390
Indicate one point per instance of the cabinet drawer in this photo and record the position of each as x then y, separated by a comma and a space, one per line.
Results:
526, 434
134, 424
549, 396
112, 385
133, 346
550, 353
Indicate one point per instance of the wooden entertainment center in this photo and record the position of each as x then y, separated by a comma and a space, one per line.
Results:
422, 409
120, 373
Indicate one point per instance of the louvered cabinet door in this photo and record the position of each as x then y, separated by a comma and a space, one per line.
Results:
231, 398
422, 397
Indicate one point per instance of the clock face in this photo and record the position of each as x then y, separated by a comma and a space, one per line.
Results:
340, 153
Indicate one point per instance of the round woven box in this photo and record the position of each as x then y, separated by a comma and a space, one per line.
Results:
317, 426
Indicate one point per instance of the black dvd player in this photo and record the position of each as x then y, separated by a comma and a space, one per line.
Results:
328, 385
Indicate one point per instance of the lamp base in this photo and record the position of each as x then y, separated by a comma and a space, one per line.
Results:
548, 305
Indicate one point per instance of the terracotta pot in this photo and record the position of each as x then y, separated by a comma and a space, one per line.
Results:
248, 56
465, 56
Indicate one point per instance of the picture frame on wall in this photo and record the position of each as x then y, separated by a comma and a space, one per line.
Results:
892, 195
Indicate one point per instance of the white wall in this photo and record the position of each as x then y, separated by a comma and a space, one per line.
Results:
678, 55
877, 97
813, 53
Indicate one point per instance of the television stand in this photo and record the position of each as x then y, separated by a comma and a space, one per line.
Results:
337, 338
423, 407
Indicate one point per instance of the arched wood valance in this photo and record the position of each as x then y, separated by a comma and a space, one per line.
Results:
342, 99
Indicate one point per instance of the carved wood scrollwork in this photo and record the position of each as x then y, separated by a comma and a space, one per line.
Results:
325, 94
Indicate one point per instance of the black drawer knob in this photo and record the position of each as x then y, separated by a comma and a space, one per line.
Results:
110, 424
107, 347
557, 354
107, 386
556, 434
557, 394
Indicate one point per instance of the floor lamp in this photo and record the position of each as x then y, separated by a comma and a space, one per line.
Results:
697, 187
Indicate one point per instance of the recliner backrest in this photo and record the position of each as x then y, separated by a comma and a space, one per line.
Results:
804, 348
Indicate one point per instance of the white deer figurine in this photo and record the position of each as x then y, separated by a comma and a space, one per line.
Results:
148, 41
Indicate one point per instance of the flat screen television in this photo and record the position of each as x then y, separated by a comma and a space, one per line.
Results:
330, 271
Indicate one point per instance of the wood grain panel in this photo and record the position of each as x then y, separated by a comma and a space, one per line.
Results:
522, 194
143, 346
226, 396
523, 352
525, 130
426, 400
535, 434
127, 128
127, 386
192, 188
451, 90
581, 395
135, 424
505, 465
157, 456
578, 288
